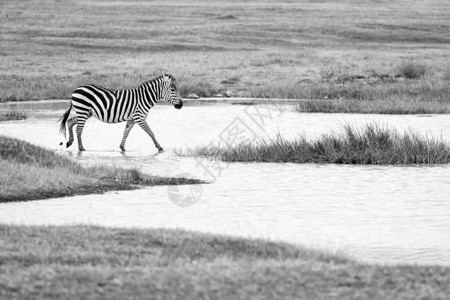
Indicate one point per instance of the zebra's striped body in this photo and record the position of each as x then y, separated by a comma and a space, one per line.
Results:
114, 106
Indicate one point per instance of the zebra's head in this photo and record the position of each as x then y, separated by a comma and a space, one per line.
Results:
170, 92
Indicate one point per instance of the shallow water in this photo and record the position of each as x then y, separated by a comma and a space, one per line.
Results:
377, 214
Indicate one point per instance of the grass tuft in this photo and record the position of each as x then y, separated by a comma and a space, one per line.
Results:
13, 115
411, 70
371, 145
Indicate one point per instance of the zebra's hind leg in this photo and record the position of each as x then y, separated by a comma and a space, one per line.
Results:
128, 127
80, 126
70, 123
147, 129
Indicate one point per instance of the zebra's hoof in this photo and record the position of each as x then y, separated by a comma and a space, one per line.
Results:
122, 148
81, 149
160, 150
68, 144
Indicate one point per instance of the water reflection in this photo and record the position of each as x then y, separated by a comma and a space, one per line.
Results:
381, 214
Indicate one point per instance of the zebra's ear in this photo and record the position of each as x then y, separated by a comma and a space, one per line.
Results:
169, 77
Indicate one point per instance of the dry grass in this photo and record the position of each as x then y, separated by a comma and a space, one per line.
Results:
255, 48
85, 262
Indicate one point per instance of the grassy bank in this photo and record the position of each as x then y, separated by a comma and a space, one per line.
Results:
428, 89
373, 144
30, 172
361, 50
92, 262
397, 107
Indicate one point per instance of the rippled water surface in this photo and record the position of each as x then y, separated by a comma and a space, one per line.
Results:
375, 213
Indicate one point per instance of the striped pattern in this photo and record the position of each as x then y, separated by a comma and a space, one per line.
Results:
114, 106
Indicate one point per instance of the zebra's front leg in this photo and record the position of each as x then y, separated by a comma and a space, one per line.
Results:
70, 123
128, 127
147, 129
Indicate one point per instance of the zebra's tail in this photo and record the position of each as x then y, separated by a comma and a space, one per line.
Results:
63, 120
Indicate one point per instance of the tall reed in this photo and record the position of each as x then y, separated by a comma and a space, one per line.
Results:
373, 144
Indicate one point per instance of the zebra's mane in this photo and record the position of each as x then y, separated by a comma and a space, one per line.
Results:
157, 78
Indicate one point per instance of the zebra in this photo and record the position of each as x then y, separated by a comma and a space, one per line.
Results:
114, 106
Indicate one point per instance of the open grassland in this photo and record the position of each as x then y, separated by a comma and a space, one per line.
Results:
373, 144
29, 172
348, 49
83, 262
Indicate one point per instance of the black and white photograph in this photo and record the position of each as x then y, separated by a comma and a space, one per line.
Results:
242, 149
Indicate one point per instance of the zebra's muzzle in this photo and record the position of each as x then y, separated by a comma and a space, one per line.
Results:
179, 105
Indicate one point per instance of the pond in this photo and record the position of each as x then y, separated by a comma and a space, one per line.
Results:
383, 214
